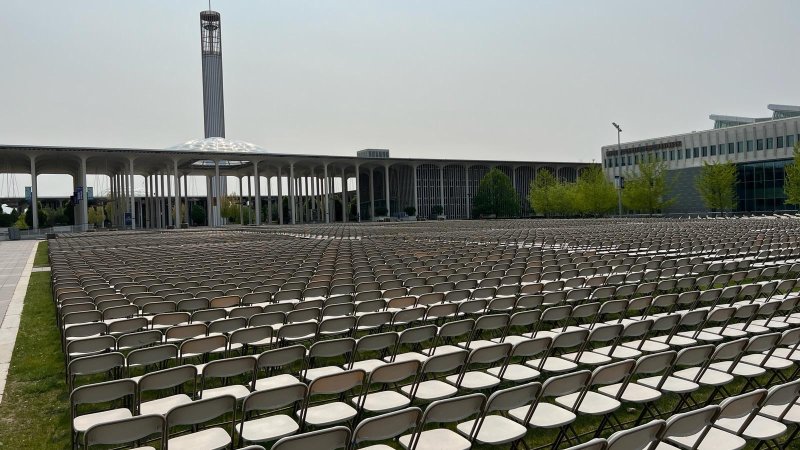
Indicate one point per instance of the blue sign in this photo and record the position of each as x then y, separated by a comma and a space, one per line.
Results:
79, 193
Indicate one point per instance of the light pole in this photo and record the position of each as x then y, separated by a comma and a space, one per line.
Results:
619, 179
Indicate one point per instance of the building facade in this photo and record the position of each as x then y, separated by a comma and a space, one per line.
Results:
759, 147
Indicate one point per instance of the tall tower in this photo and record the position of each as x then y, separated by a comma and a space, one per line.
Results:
211, 46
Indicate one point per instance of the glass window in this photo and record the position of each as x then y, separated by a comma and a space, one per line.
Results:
759, 145
688, 153
680, 154
730, 148
672, 155
769, 143
779, 142
696, 152
714, 150
739, 147
664, 155
750, 145
790, 141
629, 160
704, 151
636, 159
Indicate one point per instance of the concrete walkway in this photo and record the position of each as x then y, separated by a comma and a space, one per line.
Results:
16, 263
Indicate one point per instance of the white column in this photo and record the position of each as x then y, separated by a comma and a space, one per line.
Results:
186, 199
146, 207
251, 201
269, 200
280, 197
358, 194
132, 193
218, 195
344, 197
386, 189
162, 205
34, 195
292, 214
257, 197
177, 193
168, 211
327, 193
84, 197
371, 194
209, 203
241, 206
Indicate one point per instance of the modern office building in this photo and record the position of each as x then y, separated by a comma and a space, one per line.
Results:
308, 188
760, 148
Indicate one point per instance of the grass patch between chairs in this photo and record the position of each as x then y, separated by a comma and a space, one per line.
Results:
34, 413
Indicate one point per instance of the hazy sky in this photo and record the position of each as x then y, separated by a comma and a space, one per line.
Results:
502, 79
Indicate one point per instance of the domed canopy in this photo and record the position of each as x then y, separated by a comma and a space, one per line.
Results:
218, 145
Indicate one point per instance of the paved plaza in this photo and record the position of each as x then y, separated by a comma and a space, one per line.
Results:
15, 270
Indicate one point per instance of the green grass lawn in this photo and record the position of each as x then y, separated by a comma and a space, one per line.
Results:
34, 413
42, 259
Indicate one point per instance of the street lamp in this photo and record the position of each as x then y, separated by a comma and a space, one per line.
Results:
620, 181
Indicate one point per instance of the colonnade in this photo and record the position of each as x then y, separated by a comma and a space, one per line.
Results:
311, 193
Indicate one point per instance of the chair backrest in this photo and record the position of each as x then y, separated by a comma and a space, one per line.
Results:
386, 426
394, 372
329, 439
280, 357
273, 399
689, 423
741, 405
448, 411
637, 438
102, 392
566, 384
337, 383
124, 431
201, 411
513, 397
167, 378
612, 373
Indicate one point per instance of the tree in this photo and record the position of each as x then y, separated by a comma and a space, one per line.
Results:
410, 210
540, 195
791, 186
716, 185
496, 196
198, 214
437, 210
594, 193
645, 192
39, 212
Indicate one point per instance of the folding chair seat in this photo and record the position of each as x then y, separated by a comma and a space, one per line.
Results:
215, 435
333, 438
414, 337
631, 330
764, 310
445, 411
515, 368
330, 413
486, 357
542, 414
706, 434
171, 380
384, 399
703, 333
336, 348
124, 431
550, 317
100, 393
689, 319
602, 334
492, 324
668, 382
764, 425
588, 402
524, 320
273, 360
385, 427
426, 387
496, 429
632, 392
257, 337
241, 367
584, 316
552, 362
